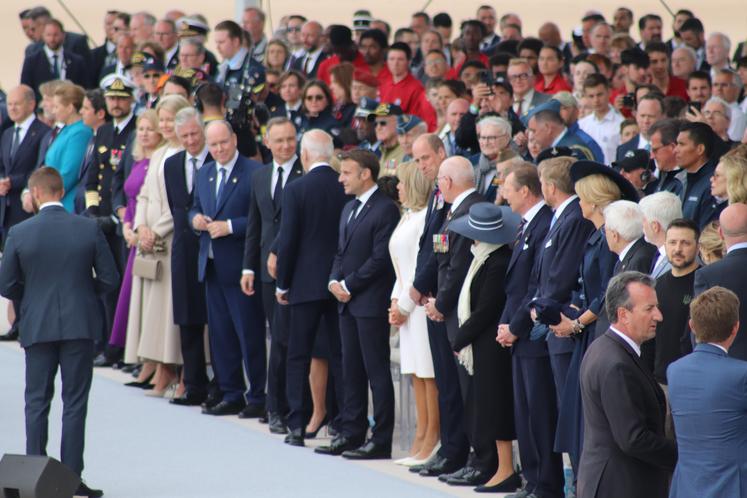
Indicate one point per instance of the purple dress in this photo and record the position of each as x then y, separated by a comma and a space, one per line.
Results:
132, 188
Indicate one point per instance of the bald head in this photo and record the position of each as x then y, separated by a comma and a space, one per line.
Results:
221, 141
455, 176
733, 221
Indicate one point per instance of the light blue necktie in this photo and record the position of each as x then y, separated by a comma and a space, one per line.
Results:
221, 184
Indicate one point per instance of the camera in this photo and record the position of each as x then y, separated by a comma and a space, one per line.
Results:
629, 101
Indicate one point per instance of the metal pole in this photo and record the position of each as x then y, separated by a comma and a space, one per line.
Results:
75, 20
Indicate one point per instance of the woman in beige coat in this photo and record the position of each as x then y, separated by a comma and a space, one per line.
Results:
151, 333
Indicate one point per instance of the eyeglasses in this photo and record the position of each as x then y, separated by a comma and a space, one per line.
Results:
149, 76
163, 33
657, 149
519, 77
294, 29
489, 138
382, 123
708, 114
318, 98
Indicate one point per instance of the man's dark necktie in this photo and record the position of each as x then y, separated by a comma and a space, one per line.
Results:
278, 192
55, 67
16, 142
353, 213
519, 232
193, 160
221, 184
306, 67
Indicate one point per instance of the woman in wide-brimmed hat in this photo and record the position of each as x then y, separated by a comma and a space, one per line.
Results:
489, 413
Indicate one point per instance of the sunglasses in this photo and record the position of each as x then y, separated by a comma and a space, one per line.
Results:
149, 76
318, 98
294, 29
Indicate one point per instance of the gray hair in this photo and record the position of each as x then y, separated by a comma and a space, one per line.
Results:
725, 40
722, 103
147, 17
625, 218
195, 42
186, 115
661, 207
318, 145
618, 294
502, 124
689, 51
566, 99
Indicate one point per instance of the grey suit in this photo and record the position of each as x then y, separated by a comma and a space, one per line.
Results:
48, 265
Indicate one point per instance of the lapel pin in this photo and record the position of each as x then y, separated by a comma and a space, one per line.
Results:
211, 178
235, 180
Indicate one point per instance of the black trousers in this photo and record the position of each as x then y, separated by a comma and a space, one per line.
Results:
536, 418
365, 359
454, 443
279, 319
305, 319
75, 361
193, 354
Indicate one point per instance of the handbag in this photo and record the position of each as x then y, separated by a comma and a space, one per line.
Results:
146, 266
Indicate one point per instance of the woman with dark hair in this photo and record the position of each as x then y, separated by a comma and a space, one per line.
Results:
341, 83
316, 109
290, 86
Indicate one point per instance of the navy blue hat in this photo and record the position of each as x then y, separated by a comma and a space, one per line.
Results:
366, 107
489, 223
550, 152
150, 63
582, 169
633, 160
406, 122
550, 105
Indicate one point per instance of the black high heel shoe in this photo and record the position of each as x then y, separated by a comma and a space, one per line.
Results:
144, 384
312, 435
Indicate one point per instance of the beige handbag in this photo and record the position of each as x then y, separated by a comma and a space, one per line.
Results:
146, 266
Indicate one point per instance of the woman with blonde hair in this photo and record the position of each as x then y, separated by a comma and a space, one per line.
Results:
151, 332
415, 352
712, 247
276, 55
734, 166
147, 140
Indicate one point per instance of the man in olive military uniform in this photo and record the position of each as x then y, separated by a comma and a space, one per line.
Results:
101, 182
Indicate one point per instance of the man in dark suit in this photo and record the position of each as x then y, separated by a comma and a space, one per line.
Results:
559, 263
56, 285
709, 402
263, 225
534, 389
626, 452
361, 280
105, 54
456, 182
222, 191
649, 110
53, 61
313, 55
18, 153
74, 42
729, 272
190, 312
428, 151
306, 246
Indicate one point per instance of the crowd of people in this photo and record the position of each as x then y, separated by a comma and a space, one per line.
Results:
553, 231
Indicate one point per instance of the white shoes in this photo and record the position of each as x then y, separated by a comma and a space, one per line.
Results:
412, 461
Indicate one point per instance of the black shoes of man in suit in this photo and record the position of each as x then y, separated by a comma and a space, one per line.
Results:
11, 335
189, 399
339, 445
253, 411
466, 476
295, 437
276, 423
225, 408
369, 451
436, 466
84, 490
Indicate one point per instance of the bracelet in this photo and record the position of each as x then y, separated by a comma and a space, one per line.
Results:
578, 327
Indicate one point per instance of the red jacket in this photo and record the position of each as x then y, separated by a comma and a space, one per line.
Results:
558, 84
409, 94
327, 64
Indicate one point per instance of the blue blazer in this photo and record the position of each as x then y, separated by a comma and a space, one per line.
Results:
426, 271
66, 155
708, 396
37, 69
18, 169
559, 265
48, 265
519, 282
233, 205
309, 234
362, 258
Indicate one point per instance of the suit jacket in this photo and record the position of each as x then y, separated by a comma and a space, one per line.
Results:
626, 454
538, 98
233, 205
520, 284
639, 257
98, 61
309, 234
55, 283
708, 395
36, 69
453, 264
362, 260
628, 146
18, 169
263, 220
119, 198
729, 273
298, 62
426, 270
188, 293
74, 42
558, 270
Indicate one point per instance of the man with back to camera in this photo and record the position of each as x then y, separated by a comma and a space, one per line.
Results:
56, 286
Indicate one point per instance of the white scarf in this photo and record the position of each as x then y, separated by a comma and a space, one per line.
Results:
481, 253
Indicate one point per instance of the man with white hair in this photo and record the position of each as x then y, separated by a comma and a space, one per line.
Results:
718, 46
623, 226
306, 247
142, 25
454, 112
659, 210
717, 113
494, 137
728, 85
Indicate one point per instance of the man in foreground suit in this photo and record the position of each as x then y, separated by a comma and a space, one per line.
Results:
237, 334
18, 152
263, 225
626, 453
534, 389
306, 248
729, 272
190, 313
361, 280
56, 285
708, 393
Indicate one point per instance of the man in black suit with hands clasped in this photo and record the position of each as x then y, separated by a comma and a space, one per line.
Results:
361, 280
56, 264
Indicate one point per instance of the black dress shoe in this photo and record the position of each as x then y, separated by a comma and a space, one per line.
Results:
470, 477
264, 419
84, 490
434, 460
253, 411
457, 474
212, 400
11, 335
445, 466
277, 424
102, 361
188, 399
295, 438
338, 446
224, 408
370, 451
508, 485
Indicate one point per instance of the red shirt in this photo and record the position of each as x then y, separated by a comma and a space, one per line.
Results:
628, 113
453, 73
327, 64
409, 94
677, 88
558, 84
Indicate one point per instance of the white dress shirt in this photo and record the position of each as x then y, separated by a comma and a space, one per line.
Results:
287, 167
625, 251
529, 215
627, 339
24, 128
643, 143
309, 59
459, 199
50, 204
522, 107
739, 245
60, 60
605, 131
188, 166
122, 123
